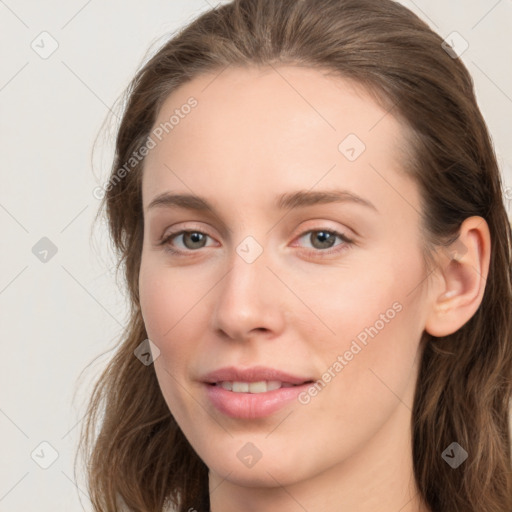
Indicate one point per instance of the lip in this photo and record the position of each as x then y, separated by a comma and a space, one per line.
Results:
253, 374
252, 405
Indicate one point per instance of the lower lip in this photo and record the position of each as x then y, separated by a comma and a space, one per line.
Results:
252, 405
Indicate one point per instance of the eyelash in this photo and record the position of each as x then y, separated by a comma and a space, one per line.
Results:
347, 242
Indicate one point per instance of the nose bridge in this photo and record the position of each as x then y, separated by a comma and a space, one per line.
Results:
247, 298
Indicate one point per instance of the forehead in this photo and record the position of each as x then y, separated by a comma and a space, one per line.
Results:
270, 125
289, 96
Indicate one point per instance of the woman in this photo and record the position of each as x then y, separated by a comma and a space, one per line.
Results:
308, 210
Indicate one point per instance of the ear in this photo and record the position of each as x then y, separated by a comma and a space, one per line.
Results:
463, 268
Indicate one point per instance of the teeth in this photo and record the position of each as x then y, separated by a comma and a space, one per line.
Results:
273, 384
227, 385
241, 387
257, 387
254, 387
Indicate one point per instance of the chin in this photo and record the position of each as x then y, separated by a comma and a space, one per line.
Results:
261, 475
240, 462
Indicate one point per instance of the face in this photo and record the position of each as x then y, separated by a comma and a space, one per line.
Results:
299, 265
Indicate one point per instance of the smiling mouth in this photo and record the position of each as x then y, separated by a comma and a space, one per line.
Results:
255, 387
253, 392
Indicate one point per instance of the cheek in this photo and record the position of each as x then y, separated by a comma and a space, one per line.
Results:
158, 304
167, 297
174, 306
164, 311
376, 326
346, 307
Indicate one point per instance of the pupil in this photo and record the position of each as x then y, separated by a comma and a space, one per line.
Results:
195, 237
326, 238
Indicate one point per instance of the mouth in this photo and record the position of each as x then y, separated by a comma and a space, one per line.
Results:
255, 387
240, 377
252, 393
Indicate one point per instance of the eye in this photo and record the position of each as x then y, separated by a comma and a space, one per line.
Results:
323, 239
191, 240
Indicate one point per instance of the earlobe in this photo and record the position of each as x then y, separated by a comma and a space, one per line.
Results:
463, 268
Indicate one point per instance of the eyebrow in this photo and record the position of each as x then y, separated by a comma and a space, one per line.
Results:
291, 200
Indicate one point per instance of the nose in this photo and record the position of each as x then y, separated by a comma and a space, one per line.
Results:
249, 301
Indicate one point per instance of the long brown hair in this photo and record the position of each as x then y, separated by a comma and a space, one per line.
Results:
136, 454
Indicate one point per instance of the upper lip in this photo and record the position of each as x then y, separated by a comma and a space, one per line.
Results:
252, 374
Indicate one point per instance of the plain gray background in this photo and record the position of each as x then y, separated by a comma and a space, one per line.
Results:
57, 315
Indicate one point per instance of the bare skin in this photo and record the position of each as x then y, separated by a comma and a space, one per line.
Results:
254, 135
